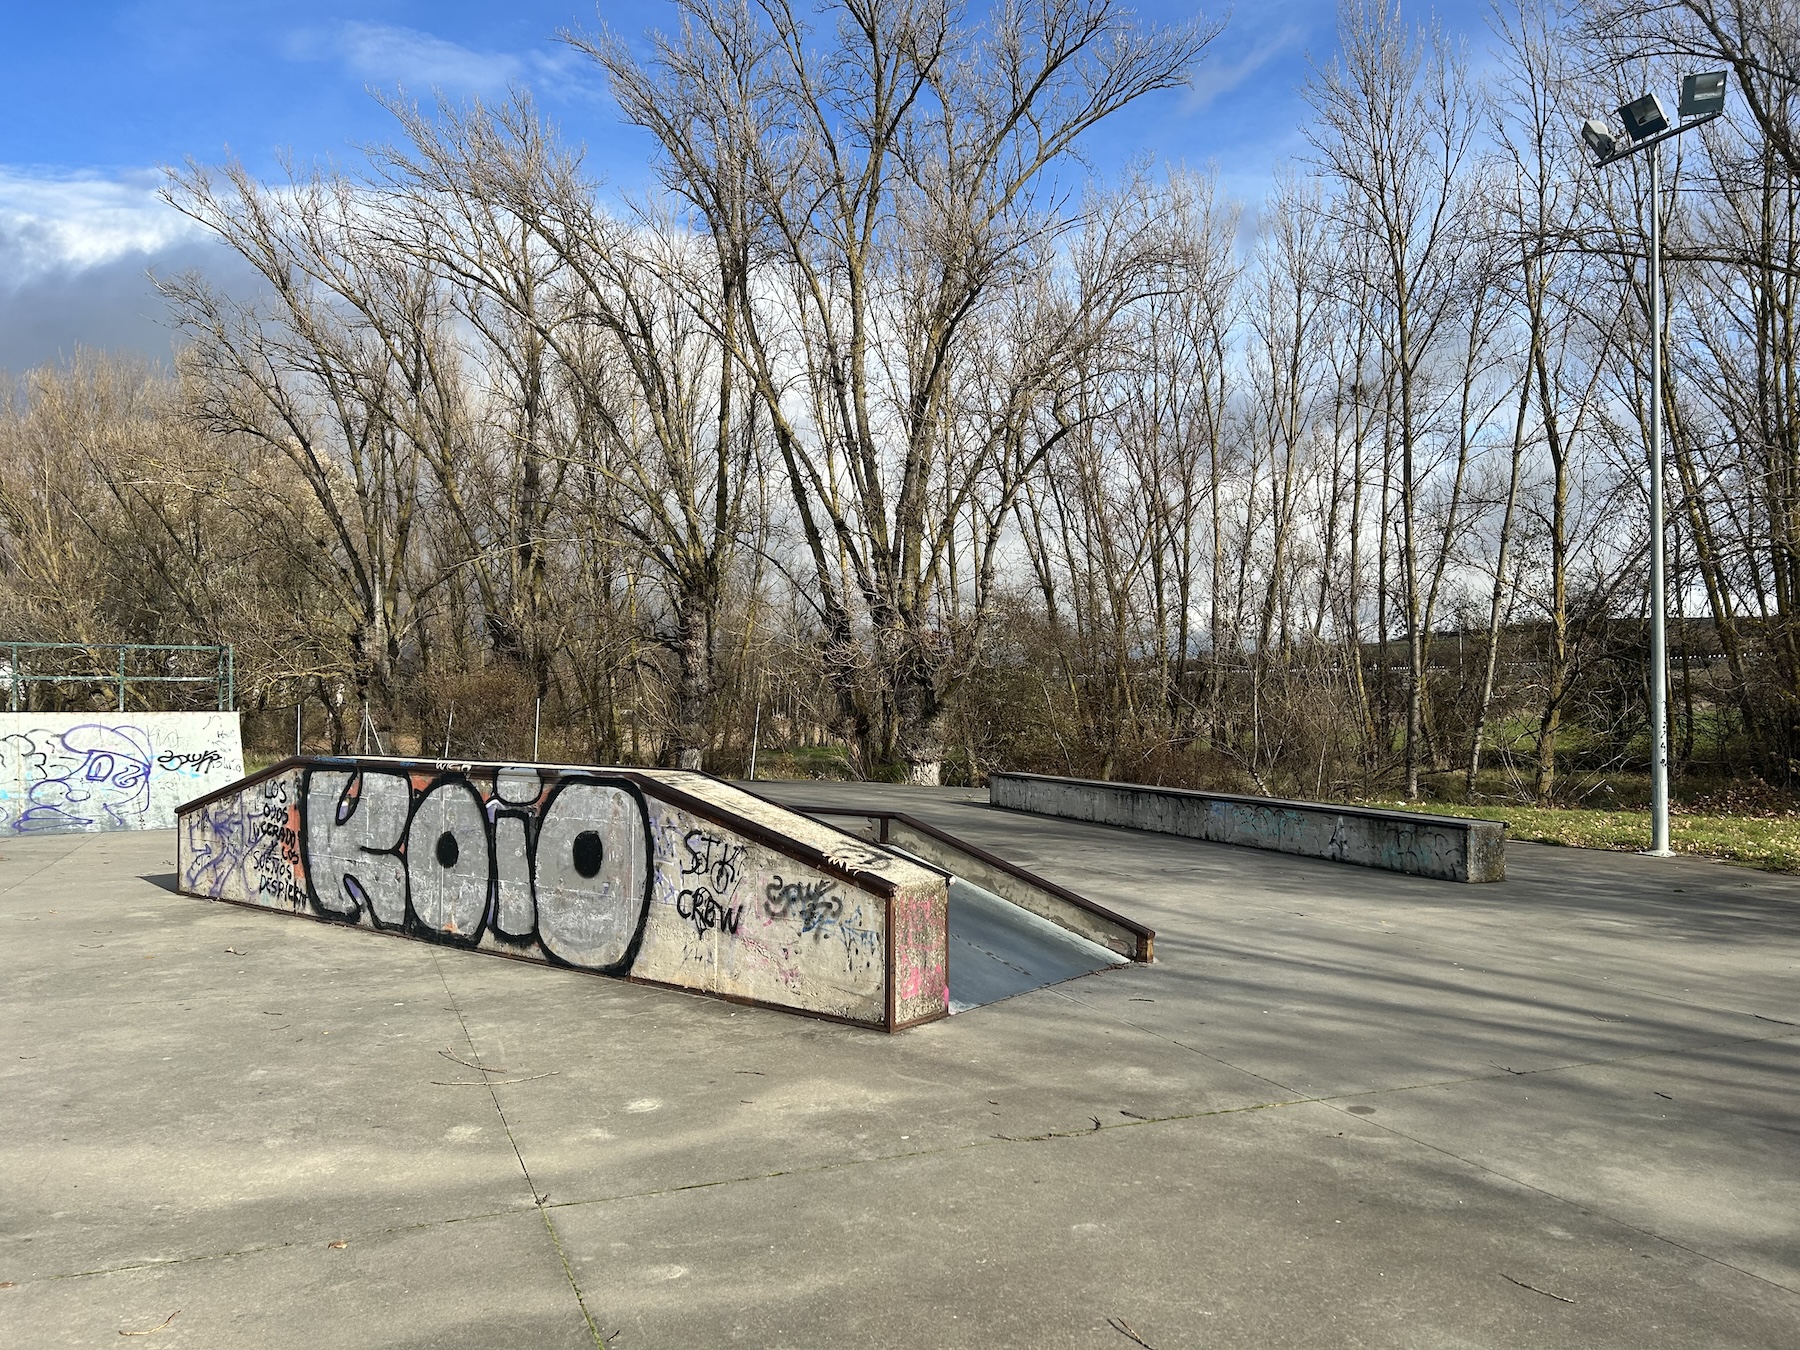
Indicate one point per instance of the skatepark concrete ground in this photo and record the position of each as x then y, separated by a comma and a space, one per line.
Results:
1343, 1108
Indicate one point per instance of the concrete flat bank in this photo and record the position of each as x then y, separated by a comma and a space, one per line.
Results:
1448, 848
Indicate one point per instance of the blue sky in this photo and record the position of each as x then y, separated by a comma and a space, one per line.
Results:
96, 94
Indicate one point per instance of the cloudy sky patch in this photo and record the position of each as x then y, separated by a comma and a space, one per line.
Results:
389, 55
98, 94
58, 222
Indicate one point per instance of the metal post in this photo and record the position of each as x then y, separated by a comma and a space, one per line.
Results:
537, 722
755, 736
297, 708
449, 722
1659, 639
122, 679
15, 677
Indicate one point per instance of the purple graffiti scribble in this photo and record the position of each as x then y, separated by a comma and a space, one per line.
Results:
86, 777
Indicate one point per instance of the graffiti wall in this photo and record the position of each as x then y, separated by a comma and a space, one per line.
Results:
670, 878
64, 772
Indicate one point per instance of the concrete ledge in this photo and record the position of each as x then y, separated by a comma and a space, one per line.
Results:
62, 773
1449, 848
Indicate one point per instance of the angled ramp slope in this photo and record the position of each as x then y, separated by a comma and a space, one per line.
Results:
1011, 931
999, 949
659, 877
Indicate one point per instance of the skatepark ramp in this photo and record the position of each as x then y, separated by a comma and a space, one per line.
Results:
659, 877
1011, 931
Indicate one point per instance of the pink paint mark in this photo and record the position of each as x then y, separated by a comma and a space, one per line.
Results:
918, 951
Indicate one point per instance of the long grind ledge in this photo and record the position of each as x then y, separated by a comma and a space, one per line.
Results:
658, 877
1449, 848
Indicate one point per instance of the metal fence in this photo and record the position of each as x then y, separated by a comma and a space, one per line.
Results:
121, 668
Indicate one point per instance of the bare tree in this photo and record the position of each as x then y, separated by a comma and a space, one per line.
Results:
1395, 128
635, 317
343, 367
898, 185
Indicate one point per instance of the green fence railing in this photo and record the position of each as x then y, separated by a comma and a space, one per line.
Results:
19, 677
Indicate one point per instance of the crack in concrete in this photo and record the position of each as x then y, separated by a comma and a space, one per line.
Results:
263, 1248
82, 842
537, 1197
1330, 1103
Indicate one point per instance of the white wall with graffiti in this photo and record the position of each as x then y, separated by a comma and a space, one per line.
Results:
62, 772
668, 878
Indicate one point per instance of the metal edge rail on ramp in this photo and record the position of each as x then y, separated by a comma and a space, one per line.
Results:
659, 877
1011, 931
1030, 892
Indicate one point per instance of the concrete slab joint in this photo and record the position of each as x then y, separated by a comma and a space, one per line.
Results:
1448, 848
659, 877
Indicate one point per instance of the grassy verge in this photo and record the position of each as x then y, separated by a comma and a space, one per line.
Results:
1769, 842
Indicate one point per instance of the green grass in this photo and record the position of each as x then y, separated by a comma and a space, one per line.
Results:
803, 762
1770, 842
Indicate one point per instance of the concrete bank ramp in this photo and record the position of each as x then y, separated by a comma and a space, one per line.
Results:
1011, 931
659, 877
998, 950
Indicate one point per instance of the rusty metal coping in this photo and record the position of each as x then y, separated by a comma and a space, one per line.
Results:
1145, 935
798, 849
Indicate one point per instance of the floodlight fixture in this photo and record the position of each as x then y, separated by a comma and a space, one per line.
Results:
1703, 95
1647, 127
1600, 139
1644, 117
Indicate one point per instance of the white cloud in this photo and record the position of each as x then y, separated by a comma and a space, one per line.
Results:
68, 222
75, 253
1216, 77
387, 54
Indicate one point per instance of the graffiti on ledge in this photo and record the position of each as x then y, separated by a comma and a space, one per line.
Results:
576, 869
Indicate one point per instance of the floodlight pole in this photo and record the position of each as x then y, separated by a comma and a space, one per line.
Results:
1659, 634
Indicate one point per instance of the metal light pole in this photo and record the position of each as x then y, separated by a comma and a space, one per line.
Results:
1659, 637
1648, 126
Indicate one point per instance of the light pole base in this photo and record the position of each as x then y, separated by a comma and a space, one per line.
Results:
1657, 853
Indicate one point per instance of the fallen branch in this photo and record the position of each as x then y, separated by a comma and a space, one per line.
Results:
1120, 1325
465, 1063
1534, 1289
158, 1327
491, 1082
